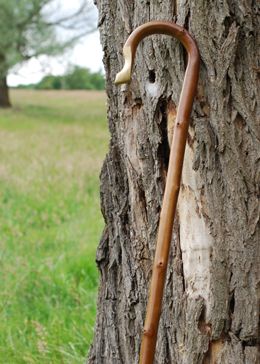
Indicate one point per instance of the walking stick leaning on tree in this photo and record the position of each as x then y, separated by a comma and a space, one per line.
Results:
173, 180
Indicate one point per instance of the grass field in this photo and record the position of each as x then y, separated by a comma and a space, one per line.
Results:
51, 149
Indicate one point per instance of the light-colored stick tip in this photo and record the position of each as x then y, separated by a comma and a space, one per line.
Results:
124, 76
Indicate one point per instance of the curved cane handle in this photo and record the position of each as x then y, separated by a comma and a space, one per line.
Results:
174, 170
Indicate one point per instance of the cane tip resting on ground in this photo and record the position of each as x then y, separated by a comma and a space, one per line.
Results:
170, 198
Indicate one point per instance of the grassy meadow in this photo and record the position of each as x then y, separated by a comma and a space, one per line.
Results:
52, 144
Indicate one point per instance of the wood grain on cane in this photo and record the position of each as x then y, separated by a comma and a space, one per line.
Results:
174, 170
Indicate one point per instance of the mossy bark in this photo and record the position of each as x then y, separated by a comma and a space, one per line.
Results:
211, 304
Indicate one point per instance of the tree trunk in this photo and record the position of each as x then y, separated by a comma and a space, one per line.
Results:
212, 294
4, 93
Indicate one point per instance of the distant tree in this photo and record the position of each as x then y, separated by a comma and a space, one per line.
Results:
98, 80
77, 78
28, 29
83, 79
50, 82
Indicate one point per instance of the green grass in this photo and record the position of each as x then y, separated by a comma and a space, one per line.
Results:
51, 149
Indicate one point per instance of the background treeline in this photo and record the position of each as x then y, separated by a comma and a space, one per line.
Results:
76, 78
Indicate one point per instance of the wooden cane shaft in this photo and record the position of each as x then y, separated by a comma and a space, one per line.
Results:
162, 248
173, 180
149, 338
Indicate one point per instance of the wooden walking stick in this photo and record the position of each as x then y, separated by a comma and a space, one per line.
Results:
172, 187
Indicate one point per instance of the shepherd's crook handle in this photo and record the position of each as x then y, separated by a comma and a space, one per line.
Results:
170, 197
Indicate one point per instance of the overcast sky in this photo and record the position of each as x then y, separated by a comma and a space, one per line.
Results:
87, 53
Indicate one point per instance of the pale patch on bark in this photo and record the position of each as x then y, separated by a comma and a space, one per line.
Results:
195, 238
152, 89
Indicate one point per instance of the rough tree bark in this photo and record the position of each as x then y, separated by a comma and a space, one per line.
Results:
212, 293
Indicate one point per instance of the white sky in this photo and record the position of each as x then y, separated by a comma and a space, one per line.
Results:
87, 53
